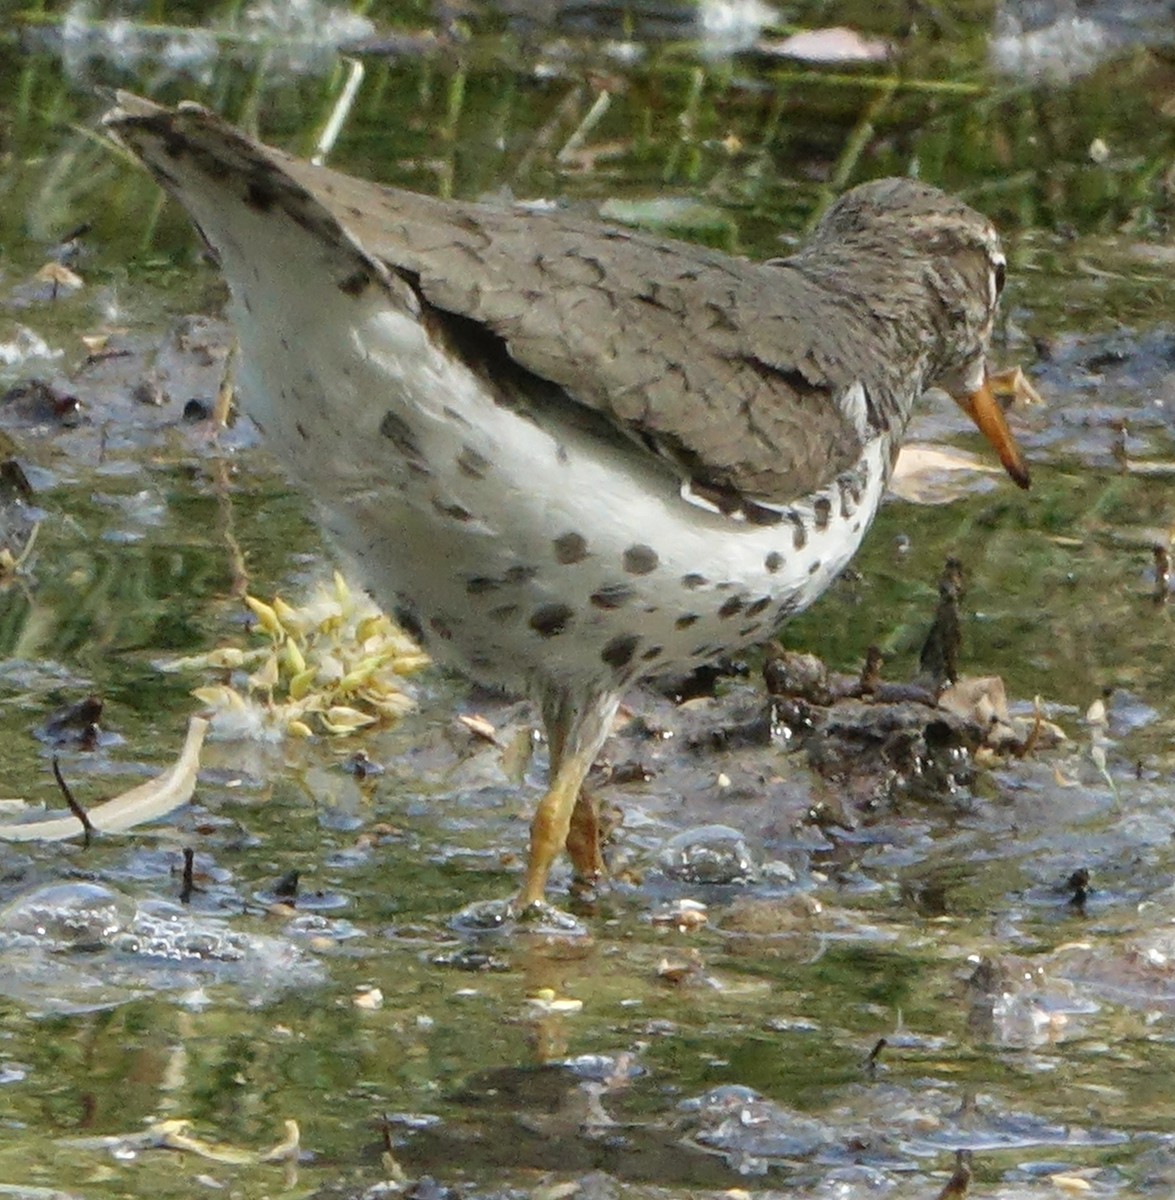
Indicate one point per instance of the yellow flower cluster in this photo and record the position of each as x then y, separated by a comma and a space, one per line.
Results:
333, 665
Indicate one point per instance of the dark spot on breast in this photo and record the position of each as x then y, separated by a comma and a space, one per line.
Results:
478, 585
760, 605
550, 619
693, 581
301, 431
174, 145
814, 567
504, 612
398, 432
453, 511
441, 628
570, 548
521, 574
799, 536
760, 514
850, 494
652, 652
748, 630
686, 621
456, 417
856, 526
472, 463
640, 560
823, 510
619, 651
260, 195
561, 455
731, 606
787, 607
354, 284
298, 210
214, 167
773, 561
168, 179
612, 595
408, 621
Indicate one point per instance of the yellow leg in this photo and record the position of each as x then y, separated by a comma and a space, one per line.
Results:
583, 839
577, 724
552, 822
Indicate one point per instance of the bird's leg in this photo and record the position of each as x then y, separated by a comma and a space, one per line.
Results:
552, 822
576, 728
583, 839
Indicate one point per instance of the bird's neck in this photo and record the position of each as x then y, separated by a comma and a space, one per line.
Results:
890, 325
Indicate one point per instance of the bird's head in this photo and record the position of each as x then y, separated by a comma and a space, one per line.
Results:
940, 273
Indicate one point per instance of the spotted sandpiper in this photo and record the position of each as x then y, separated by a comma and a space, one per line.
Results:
572, 455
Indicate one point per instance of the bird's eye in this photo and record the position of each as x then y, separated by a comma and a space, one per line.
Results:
1000, 273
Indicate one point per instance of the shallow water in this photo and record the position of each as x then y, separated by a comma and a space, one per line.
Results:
1024, 1023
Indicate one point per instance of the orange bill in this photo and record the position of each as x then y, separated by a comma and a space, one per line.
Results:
984, 409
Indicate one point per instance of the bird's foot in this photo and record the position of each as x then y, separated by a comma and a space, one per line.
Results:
483, 918
542, 917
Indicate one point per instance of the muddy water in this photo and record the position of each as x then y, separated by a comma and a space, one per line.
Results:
1026, 1012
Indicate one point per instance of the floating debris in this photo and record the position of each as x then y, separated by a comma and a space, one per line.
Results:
831, 46
61, 280
11, 565
926, 474
74, 725
684, 915
479, 727
1162, 558
1098, 722
547, 1002
37, 402
368, 997
173, 1135
25, 344
960, 1181
361, 766
335, 665
144, 802
78, 811
939, 659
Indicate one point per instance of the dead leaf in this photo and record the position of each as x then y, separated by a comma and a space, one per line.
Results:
479, 727
145, 802
984, 700
926, 474
836, 44
61, 277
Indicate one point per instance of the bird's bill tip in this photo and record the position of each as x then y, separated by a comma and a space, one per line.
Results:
985, 410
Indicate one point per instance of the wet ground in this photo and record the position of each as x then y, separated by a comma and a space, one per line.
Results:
844, 940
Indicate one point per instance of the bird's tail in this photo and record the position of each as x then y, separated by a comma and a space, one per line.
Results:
224, 178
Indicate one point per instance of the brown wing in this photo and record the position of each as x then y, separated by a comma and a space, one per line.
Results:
728, 366
735, 370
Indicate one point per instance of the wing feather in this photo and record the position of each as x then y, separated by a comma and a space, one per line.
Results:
736, 371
